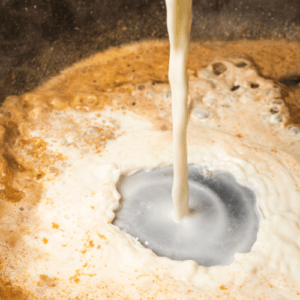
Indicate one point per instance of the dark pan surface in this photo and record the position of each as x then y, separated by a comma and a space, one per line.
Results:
40, 38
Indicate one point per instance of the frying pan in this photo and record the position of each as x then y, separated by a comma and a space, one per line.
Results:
39, 38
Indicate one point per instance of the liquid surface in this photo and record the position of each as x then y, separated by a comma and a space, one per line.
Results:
223, 217
67, 144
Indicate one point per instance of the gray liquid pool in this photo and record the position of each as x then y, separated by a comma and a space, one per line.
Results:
223, 218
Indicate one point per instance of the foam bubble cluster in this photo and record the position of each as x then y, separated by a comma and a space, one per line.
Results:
231, 94
234, 82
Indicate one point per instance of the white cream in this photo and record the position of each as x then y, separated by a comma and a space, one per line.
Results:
179, 20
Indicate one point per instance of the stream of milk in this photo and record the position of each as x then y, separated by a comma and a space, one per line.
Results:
179, 20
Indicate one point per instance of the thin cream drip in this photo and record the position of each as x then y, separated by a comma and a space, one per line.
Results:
179, 20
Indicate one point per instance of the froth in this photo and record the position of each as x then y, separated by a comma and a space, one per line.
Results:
73, 221
230, 94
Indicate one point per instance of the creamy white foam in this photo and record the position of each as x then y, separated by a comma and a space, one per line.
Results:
77, 247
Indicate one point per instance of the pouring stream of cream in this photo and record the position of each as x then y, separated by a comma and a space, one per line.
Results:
179, 20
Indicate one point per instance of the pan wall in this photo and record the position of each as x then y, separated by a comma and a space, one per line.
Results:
40, 37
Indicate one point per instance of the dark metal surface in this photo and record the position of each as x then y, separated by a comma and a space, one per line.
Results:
223, 217
38, 38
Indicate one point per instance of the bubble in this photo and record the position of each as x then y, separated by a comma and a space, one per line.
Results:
280, 118
254, 85
202, 113
275, 119
236, 87
219, 68
274, 110
277, 101
241, 64
294, 130
140, 87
